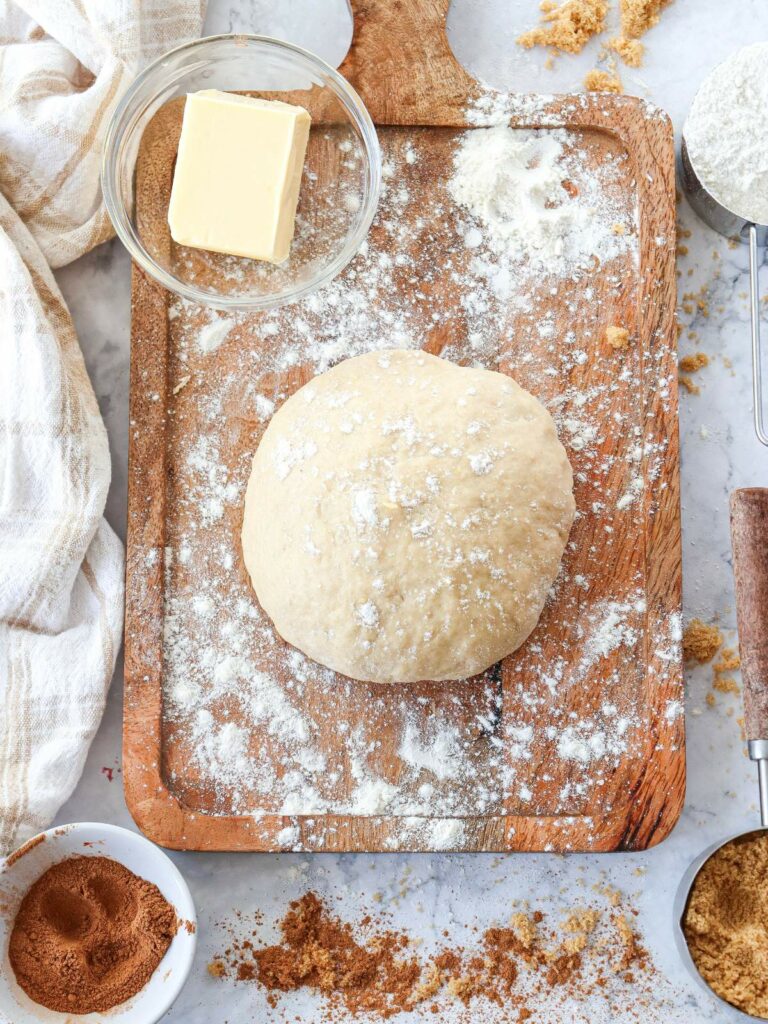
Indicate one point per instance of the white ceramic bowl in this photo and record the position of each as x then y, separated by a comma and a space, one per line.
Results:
139, 855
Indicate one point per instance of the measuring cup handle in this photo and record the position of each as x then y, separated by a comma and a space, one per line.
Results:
749, 541
757, 356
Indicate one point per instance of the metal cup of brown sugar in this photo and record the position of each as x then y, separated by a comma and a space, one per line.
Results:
684, 925
734, 903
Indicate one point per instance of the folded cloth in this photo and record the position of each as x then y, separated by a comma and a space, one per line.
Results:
63, 66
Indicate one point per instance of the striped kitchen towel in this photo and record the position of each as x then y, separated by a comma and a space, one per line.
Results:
63, 66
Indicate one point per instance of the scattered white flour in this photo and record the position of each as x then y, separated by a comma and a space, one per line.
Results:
726, 133
264, 406
611, 626
287, 456
368, 614
513, 183
429, 834
364, 508
481, 463
439, 754
212, 335
288, 836
588, 742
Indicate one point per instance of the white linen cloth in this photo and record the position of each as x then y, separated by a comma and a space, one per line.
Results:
63, 66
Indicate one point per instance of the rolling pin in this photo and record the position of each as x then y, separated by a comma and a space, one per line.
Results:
749, 542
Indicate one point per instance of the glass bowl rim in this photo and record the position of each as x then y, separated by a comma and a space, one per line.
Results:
114, 141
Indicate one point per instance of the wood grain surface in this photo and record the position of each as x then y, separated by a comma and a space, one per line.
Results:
628, 556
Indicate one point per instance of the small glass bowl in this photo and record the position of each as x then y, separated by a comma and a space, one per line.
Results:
339, 191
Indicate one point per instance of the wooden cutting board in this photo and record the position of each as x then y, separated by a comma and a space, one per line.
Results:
576, 742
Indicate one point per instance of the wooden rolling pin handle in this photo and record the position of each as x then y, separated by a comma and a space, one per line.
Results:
749, 541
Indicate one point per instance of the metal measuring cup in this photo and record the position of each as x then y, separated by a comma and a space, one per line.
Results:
749, 541
733, 225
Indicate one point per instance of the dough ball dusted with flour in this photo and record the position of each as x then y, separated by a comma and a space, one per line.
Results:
405, 517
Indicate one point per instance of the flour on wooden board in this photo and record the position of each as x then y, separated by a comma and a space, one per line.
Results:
255, 742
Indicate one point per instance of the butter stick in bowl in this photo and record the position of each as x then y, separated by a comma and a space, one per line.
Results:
238, 174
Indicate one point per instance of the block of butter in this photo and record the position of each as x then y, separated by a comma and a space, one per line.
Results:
238, 173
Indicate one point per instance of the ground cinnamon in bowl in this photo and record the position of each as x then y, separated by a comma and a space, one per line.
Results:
88, 935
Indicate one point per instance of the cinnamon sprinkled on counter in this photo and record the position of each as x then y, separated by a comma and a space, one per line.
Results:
368, 969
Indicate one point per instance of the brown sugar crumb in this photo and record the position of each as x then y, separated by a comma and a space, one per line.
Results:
567, 27
637, 16
725, 685
460, 988
430, 985
688, 385
693, 301
584, 921
617, 337
693, 363
217, 969
581, 925
524, 928
711, 700
629, 50
613, 895
701, 642
725, 923
727, 662
576, 943
631, 950
602, 81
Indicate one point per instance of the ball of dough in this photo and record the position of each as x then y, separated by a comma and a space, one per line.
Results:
405, 517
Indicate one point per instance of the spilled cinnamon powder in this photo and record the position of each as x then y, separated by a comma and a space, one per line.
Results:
372, 971
88, 935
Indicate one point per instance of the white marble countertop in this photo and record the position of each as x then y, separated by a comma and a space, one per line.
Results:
719, 453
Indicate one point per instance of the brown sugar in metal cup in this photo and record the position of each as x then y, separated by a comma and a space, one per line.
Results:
721, 916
